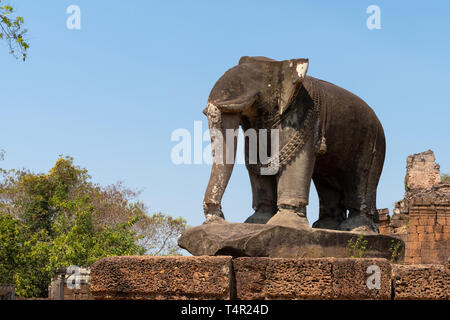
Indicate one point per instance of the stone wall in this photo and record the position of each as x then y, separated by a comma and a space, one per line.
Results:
428, 231
421, 171
422, 218
222, 278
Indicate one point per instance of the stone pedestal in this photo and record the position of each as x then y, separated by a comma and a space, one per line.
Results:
262, 240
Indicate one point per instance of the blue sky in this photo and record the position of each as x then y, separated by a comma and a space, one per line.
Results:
112, 93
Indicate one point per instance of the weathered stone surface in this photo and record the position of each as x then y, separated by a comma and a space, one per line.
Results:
261, 240
411, 282
422, 171
422, 218
326, 278
249, 278
357, 279
281, 278
7, 292
148, 277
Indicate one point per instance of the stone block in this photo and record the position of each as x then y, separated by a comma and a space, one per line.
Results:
439, 236
412, 282
427, 245
283, 278
361, 279
427, 221
413, 222
398, 223
413, 251
413, 237
426, 237
441, 220
412, 228
149, 277
322, 278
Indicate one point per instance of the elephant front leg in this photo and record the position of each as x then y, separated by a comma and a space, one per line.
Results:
224, 153
293, 189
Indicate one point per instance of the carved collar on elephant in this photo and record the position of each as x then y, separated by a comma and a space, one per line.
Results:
311, 92
294, 144
298, 138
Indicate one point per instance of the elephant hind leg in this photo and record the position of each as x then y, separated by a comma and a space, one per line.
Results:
331, 201
360, 200
264, 189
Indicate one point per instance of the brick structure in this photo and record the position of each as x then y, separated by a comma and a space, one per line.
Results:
422, 218
428, 230
383, 221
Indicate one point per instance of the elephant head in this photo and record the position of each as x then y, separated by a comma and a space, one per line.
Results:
256, 82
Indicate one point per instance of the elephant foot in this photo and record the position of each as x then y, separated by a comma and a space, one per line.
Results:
358, 222
327, 223
213, 213
259, 217
290, 217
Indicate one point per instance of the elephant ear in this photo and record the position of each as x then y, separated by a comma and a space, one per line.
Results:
292, 74
237, 89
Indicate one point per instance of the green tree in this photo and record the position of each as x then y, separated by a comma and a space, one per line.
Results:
61, 218
445, 177
158, 233
12, 31
11, 241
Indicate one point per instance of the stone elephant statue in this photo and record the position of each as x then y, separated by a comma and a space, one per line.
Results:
325, 133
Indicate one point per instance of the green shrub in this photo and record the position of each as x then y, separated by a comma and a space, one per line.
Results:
357, 248
396, 250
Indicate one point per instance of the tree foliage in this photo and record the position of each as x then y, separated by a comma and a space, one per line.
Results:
445, 177
61, 218
12, 31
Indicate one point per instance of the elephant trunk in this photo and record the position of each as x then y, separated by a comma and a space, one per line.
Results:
223, 129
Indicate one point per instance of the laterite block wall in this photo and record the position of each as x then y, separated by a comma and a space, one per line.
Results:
222, 278
428, 231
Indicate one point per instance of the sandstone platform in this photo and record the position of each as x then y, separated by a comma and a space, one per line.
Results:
262, 240
223, 278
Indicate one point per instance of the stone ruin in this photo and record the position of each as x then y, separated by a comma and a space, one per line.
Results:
7, 292
422, 218
60, 288
228, 265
